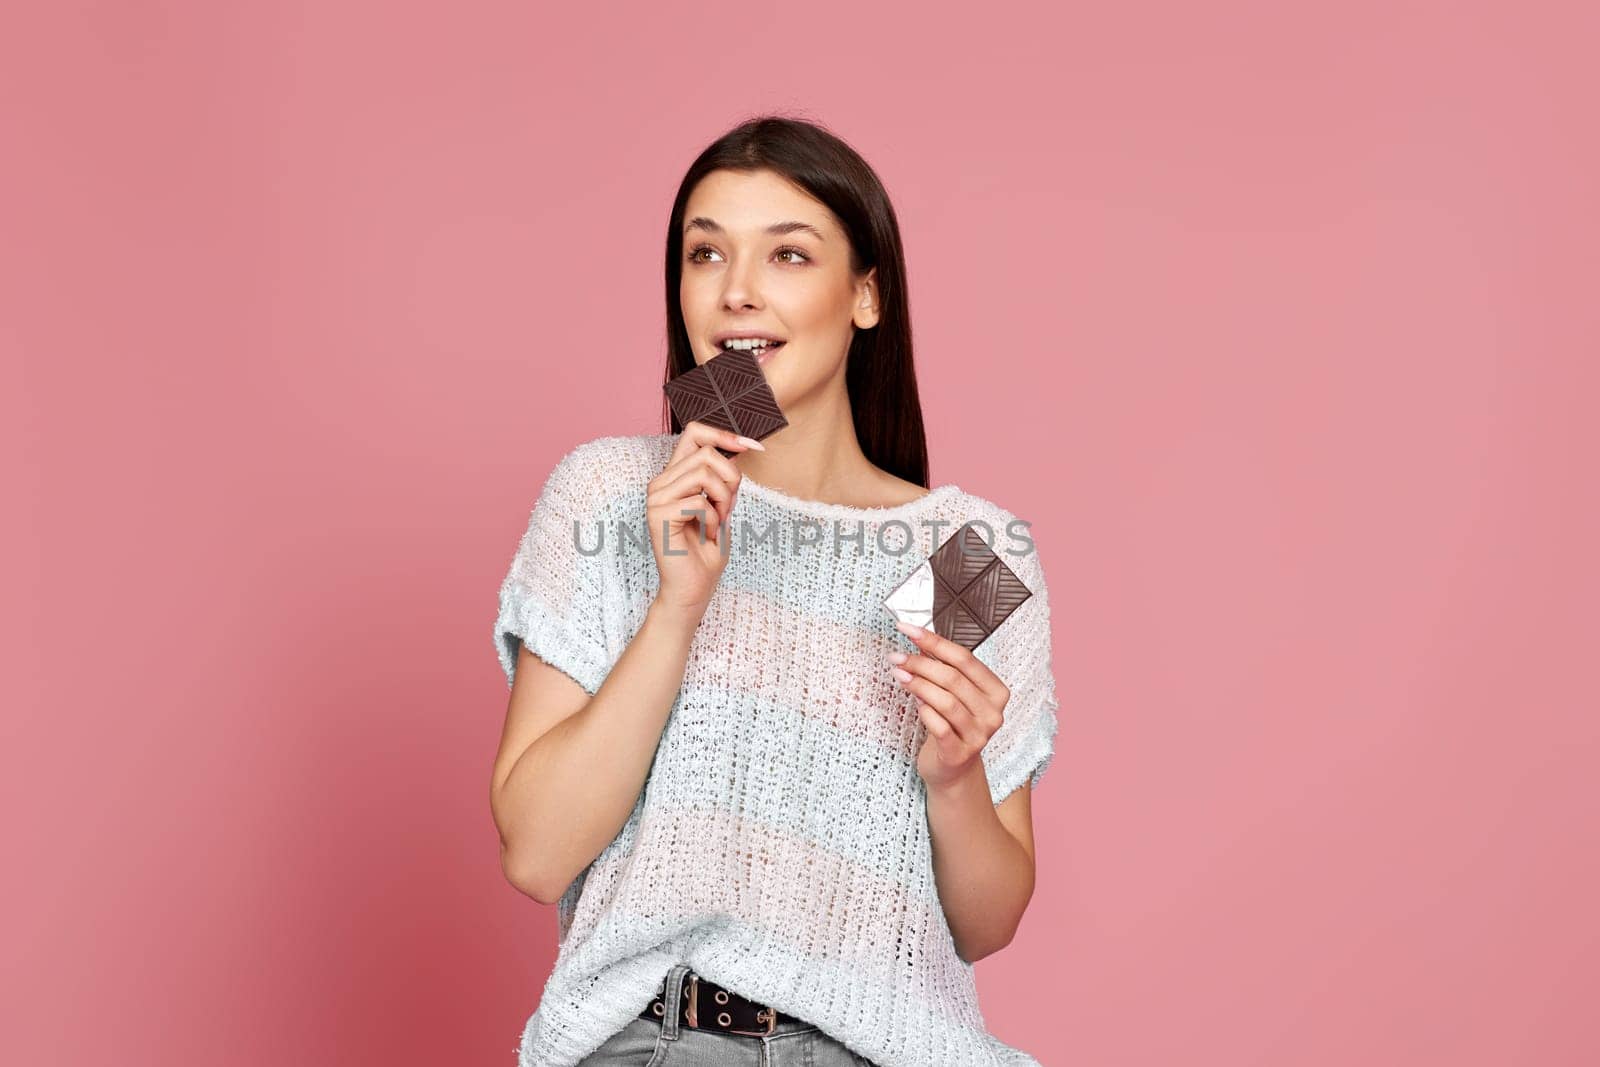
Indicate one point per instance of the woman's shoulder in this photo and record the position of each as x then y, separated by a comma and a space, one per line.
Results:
621, 451
977, 507
601, 469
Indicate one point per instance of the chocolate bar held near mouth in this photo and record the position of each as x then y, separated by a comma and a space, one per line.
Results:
729, 391
963, 591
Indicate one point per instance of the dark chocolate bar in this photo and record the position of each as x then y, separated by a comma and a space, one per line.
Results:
963, 591
729, 391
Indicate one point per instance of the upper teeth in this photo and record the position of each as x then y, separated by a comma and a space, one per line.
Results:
745, 342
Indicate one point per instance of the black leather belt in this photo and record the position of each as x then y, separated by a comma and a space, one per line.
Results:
707, 1006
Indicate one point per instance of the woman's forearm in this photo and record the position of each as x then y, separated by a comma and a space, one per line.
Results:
572, 789
984, 875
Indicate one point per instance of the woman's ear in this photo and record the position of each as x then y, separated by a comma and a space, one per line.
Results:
866, 311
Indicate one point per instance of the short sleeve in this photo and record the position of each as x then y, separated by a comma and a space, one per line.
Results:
1019, 653
553, 597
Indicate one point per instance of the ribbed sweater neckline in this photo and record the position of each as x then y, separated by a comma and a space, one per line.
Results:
826, 510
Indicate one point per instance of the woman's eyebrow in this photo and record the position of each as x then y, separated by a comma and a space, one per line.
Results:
780, 228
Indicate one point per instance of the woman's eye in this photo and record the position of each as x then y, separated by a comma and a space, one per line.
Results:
803, 257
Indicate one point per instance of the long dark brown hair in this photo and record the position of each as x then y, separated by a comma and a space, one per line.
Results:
879, 375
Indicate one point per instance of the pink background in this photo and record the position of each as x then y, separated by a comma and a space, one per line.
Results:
1294, 316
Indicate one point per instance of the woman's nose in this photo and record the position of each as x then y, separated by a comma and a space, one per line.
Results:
739, 288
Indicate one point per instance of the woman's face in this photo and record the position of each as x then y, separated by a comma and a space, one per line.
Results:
795, 285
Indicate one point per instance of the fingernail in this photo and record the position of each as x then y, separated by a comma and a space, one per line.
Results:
897, 657
904, 676
751, 442
908, 629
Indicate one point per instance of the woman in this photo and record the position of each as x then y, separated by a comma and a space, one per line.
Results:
776, 830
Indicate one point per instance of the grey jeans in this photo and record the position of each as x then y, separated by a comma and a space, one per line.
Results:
666, 1043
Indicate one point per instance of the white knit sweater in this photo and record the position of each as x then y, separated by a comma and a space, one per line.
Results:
780, 845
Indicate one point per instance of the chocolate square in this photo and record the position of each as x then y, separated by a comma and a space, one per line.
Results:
963, 591
729, 391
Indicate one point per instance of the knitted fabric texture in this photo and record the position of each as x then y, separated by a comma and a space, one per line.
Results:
780, 845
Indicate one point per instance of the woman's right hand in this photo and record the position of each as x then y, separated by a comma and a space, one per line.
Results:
697, 478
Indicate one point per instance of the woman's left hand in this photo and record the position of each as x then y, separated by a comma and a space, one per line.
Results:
959, 699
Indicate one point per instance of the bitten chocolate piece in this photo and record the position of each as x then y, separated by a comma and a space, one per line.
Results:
729, 391
963, 591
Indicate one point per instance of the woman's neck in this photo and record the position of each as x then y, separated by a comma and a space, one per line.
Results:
821, 459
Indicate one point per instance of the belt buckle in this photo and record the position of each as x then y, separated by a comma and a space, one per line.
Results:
771, 1015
